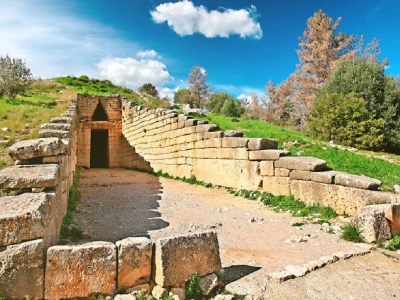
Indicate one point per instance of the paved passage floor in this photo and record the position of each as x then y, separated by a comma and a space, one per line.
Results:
118, 203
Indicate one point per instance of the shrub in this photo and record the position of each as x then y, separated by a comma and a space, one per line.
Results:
345, 119
193, 290
351, 233
232, 108
394, 244
15, 76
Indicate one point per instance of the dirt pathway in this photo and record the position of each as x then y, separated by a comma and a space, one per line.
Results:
253, 240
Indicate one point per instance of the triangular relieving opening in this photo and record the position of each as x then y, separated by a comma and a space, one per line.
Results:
99, 113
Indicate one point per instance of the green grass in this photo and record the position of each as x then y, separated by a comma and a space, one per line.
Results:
351, 233
394, 243
74, 198
355, 163
192, 287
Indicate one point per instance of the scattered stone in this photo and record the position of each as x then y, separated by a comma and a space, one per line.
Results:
177, 258
298, 222
280, 277
343, 255
298, 239
314, 265
124, 297
396, 188
37, 190
329, 259
139, 289
5, 129
208, 283
159, 292
179, 292
296, 270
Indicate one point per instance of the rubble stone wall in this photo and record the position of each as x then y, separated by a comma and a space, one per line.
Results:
184, 147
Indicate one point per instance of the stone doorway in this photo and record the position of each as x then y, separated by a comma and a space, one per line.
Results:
99, 149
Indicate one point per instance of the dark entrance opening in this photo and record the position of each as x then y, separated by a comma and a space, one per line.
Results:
99, 149
99, 113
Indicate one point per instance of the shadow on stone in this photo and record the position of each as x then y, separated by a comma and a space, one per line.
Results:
233, 273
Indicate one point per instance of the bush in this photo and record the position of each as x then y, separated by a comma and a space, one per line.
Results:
346, 120
232, 108
394, 244
351, 233
193, 290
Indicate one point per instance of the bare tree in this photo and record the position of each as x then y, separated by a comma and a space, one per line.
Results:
198, 85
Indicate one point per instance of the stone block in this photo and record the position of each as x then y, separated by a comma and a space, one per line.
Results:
296, 270
282, 172
206, 128
208, 283
266, 154
356, 181
280, 277
302, 163
21, 271
179, 292
300, 175
81, 271
323, 177
134, 262
177, 258
373, 224
213, 135
277, 185
56, 126
29, 176
46, 133
25, 217
67, 120
37, 148
233, 133
234, 142
267, 168
262, 144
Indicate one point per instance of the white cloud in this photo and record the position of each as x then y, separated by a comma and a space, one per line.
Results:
134, 73
186, 19
168, 92
54, 41
148, 54
244, 97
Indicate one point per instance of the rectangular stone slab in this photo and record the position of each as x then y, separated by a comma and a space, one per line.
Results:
24, 217
67, 120
177, 258
356, 181
29, 176
21, 271
81, 271
37, 148
45, 133
302, 163
56, 126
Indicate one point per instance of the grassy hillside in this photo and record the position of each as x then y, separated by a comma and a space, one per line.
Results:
383, 166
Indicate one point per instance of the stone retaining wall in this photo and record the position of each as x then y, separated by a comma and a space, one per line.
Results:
30, 221
184, 147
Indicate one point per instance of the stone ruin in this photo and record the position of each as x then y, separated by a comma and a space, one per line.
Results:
110, 132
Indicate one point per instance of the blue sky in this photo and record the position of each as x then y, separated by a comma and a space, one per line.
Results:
240, 43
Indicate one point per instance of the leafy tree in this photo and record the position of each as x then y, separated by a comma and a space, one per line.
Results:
381, 93
217, 100
149, 89
184, 96
232, 108
198, 86
15, 76
344, 118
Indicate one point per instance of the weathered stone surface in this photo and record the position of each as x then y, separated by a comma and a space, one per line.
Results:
29, 176
373, 224
177, 258
359, 182
267, 168
329, 259
138, 289
314, 265
277, 185
262, 144
323, 177
80, 271
21, 270
266, 154
280, 277
24, 217
179, 292
67, 120
396, 188
206, 127
302, 163
159, 292
37, 148
124, 297
300, 175
233, 133
134, 262
343, 255
296, 270
46, 133
281, 172
208, 283
56, 126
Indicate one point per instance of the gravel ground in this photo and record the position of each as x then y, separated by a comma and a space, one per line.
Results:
118, 203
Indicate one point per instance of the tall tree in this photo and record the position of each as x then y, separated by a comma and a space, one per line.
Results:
183, 96
198, 85
149, 89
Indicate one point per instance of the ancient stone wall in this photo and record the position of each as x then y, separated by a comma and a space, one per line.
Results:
184, 147
31, 217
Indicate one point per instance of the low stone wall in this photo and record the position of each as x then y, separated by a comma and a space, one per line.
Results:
30, 221
184, 147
